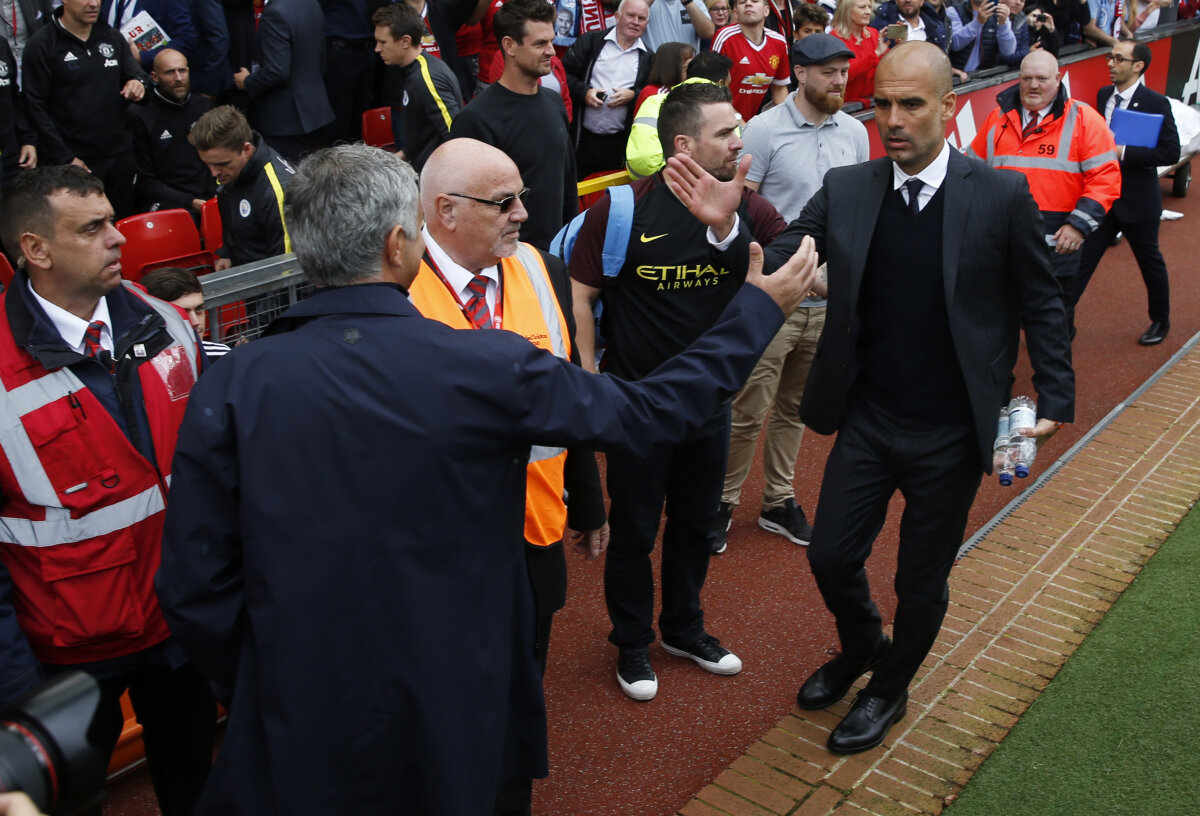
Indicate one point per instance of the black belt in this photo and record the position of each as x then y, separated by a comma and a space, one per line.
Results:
341, 42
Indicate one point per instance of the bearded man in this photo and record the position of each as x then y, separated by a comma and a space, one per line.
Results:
792, 145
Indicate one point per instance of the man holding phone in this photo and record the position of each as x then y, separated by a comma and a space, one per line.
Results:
980, 34
904, 20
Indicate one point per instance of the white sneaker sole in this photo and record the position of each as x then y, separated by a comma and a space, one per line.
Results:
730, 663
778, 529
640, 690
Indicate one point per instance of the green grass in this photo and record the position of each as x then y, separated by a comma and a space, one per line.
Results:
1118, 731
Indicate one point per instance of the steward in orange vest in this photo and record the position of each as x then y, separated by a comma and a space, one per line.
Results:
535, 302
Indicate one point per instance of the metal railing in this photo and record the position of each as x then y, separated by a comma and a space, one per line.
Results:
243, 300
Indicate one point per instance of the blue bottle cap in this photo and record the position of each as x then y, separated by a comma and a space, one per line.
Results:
1022, 471
1006, 480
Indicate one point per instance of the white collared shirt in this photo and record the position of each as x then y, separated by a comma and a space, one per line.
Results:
916, 33
932, 176
615, 68
1122, 97
458, 277
72, 328
1042, 114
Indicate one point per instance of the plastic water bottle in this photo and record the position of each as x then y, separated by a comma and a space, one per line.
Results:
1002, 460
1022, 413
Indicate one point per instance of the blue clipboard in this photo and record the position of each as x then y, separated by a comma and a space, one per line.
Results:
1135, 129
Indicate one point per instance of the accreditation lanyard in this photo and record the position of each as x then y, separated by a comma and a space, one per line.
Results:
497, 313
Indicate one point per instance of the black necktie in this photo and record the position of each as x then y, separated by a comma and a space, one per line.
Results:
914, 186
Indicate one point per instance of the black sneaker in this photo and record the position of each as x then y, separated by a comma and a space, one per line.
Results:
720, 538
708, 653
788, 521
634, 674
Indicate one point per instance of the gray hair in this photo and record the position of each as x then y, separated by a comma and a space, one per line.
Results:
340, 207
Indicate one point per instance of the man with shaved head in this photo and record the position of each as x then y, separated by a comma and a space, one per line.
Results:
476, 273
169, 173
935, 261
374, 645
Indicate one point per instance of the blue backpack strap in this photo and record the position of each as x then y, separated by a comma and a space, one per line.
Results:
620, 225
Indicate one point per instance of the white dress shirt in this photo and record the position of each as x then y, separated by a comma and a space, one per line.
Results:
1121, 98
459, 278
72, 328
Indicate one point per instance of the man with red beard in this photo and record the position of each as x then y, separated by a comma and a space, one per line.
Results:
792, 145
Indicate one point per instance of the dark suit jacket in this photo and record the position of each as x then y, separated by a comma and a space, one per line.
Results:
348, 494
997, 277
1141, 193
288, 89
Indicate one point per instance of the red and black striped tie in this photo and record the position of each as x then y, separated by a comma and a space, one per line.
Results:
91, 339
1029, 128
476, 306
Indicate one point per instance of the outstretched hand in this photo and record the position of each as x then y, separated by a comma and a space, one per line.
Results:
714, 203
789, 284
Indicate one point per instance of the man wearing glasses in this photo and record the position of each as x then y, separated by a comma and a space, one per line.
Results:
477, 274
1138, 211
1065, 150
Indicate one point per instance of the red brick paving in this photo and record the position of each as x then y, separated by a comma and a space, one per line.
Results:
1020, 604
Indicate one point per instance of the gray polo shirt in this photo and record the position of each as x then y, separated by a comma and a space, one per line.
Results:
791, 156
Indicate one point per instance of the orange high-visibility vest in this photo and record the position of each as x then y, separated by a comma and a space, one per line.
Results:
529, 308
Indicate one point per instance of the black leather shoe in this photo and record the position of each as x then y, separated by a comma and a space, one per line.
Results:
1155, 334
830, 683
867, 723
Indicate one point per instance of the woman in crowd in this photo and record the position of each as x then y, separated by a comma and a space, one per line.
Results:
667, 69
851, 25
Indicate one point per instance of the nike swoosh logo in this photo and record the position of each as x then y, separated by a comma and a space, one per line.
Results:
646, 240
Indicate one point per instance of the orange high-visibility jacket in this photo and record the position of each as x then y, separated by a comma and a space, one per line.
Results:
1070, 158
531, 309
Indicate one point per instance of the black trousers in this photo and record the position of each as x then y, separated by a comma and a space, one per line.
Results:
937, 470
116, 170
349, 78
688, 478
178, 715
1143, 241
599, 152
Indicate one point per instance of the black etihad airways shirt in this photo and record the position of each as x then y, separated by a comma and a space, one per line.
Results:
674, 285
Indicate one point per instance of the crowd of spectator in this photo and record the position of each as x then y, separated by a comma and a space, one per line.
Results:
171, 103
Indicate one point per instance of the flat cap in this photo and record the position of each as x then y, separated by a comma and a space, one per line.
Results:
818, 48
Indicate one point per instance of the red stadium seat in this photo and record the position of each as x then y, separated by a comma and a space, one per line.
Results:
377, 128
154, 237
210, 225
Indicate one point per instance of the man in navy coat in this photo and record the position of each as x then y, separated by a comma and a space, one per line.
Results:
344, 555
288, 87
1139, 209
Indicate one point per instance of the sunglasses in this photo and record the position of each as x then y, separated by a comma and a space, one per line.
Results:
504, 204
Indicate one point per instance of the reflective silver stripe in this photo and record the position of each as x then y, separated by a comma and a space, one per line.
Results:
528, 258
1085, 218
27, 398
22, 456
1068, 131
102, 522
652, 121
1037, 163
1095, 161
991, 143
